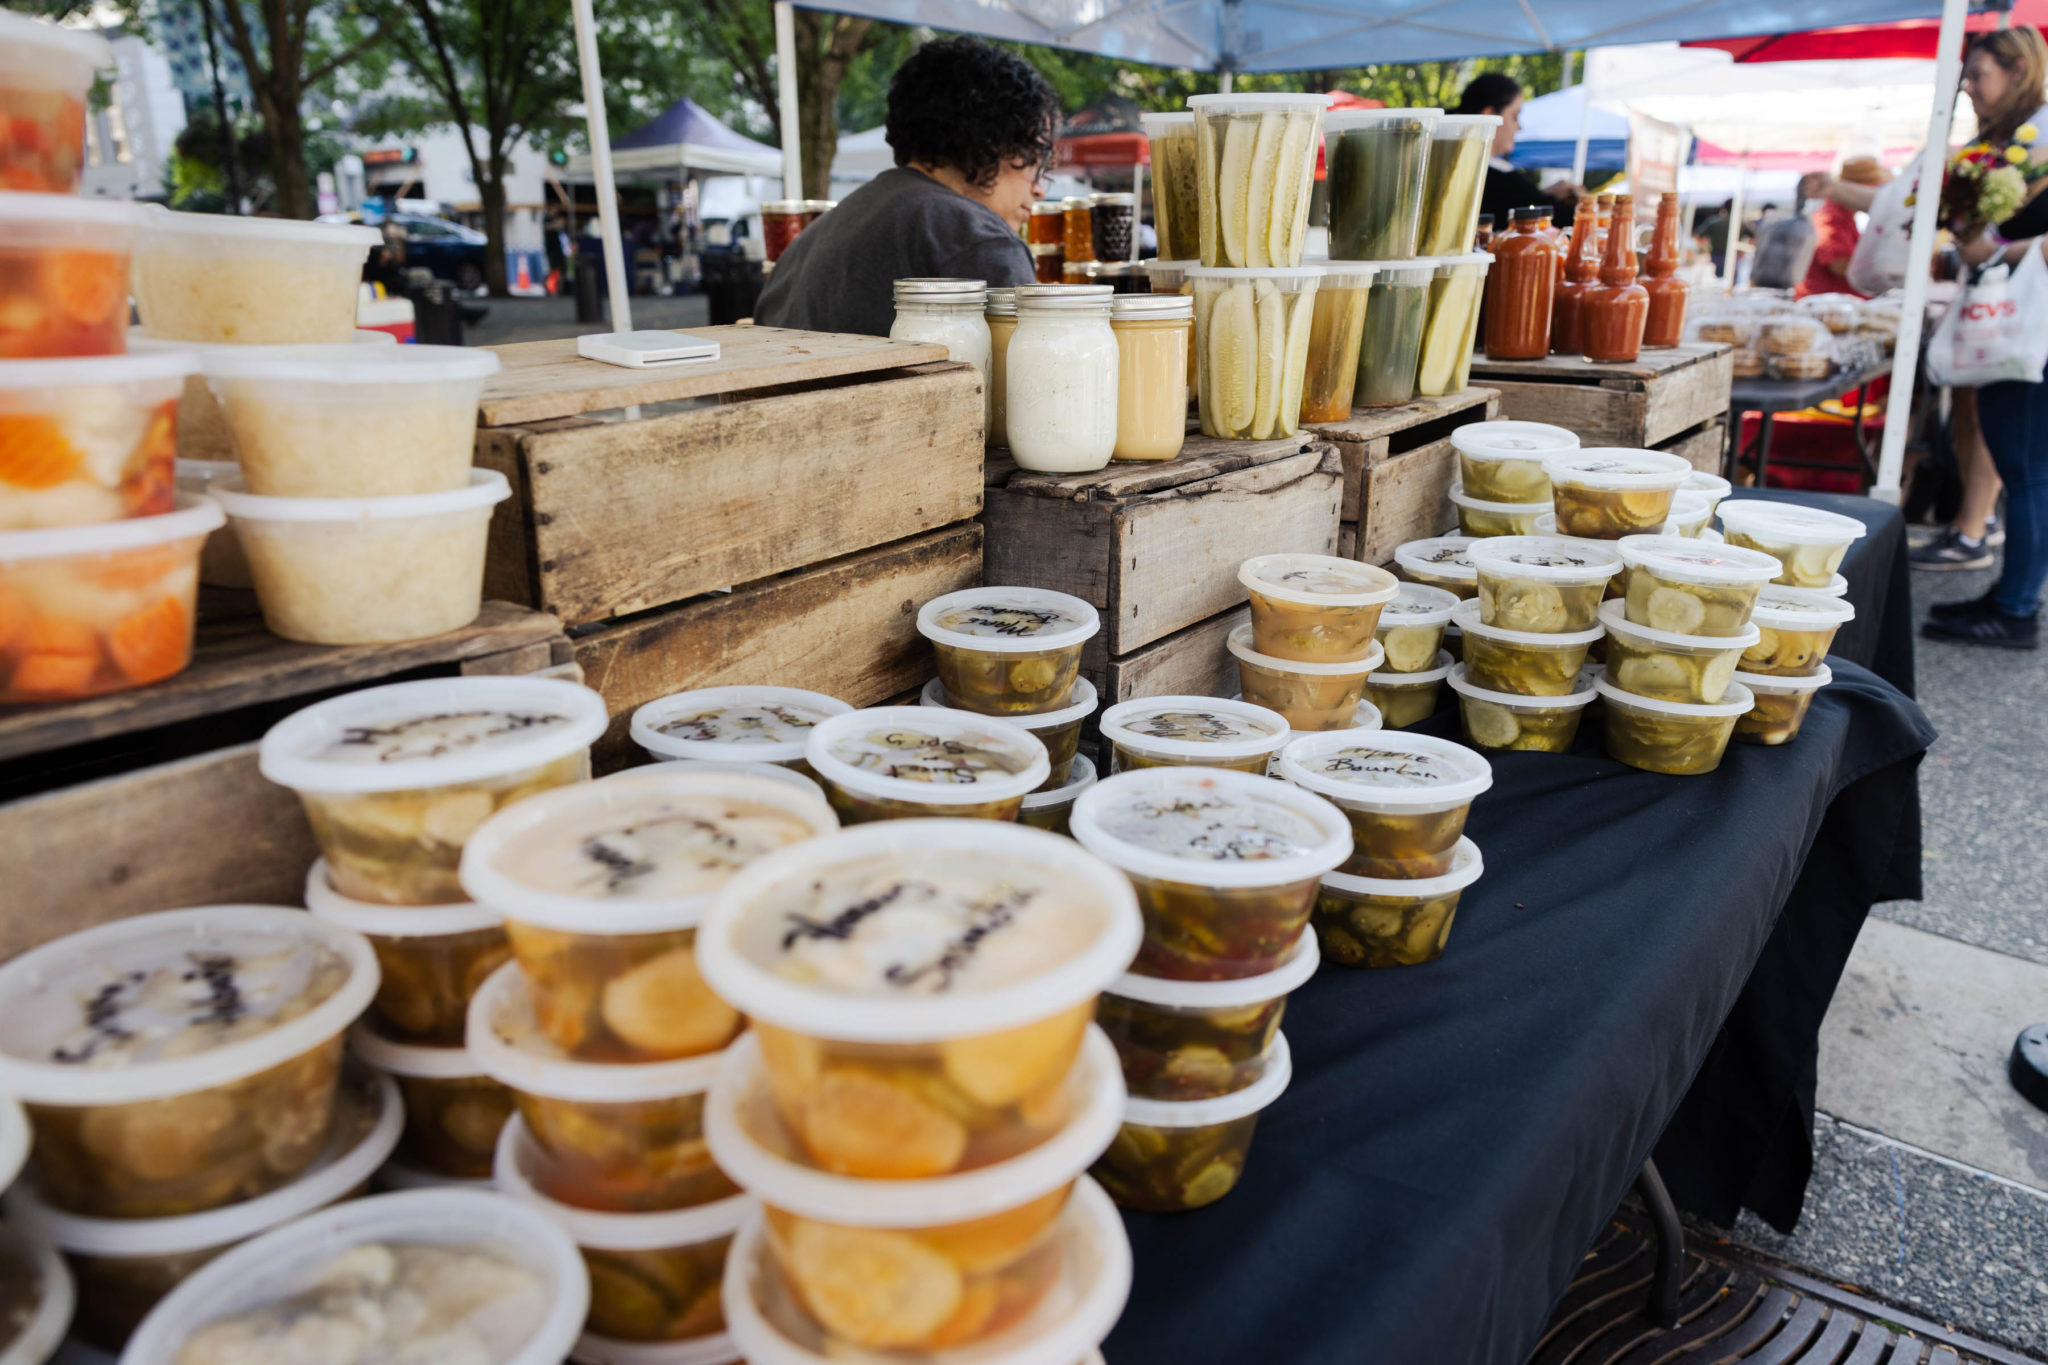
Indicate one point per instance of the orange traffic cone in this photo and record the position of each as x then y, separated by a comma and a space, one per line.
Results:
525, 281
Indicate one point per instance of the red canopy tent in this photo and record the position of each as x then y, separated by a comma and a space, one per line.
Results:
1908, 38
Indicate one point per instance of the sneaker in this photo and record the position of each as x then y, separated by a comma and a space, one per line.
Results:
1971, 606
1951, 550
1994, 531
1994, 628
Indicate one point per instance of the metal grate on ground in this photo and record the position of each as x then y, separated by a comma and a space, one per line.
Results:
1733, 1311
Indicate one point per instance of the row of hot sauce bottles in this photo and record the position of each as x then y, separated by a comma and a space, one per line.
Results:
1587, 295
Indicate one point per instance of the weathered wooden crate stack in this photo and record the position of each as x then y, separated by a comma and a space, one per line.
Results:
1156, 547
775, 516
150, 800
1673, 400
1399, 468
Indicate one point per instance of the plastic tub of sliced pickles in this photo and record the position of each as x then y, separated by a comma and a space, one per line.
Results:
803, 1312
394, 779
1795, 628
453, 1111
1451, 324
1507, 720
431, 958
734, 724
1780, 705
1670, 736
123, 1266
1478, 518
1195, 1040
602, 886
1712, 487
1255, 158
619, 1137
1197, 732
920, 989
912, 1263
37, 1298
1225, 864
1406, 796
1606, 493
653, 1276
1405, 699
1439, 562
1315, 608
1172, 1155
1523, 662
1048, 809
1411, 630
1393, 922
1679, 585
175, 1062
1808, 542
1310, 696
912, 762
1008, 651
1690, 513
1503, 461
1059, 731
1667, 665
1252, 330
1541, 585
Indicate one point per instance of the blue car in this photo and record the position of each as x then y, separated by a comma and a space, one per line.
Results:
450, 250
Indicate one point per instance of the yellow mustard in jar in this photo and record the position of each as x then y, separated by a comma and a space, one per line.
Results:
1154, 336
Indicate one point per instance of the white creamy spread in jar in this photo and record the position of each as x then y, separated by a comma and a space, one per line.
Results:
1215, 828
996, 617
1198, 727
663, 846
955, 921
909, 754
386, 1304
746, 723
436, 734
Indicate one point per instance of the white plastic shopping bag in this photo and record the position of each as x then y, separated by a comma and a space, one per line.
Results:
1879, 263
1996, 330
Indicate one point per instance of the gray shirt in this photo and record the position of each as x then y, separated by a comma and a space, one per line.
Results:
839, 274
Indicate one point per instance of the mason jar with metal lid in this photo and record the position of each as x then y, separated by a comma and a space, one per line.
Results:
1154, 334
1114, 217
1080, 230
1002, 321
948, 312
1060, 379
1048, 225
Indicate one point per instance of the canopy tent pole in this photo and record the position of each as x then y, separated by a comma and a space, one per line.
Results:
785, 99
1734, 234
1898, 415
1223, 82
1585, 133
601, 164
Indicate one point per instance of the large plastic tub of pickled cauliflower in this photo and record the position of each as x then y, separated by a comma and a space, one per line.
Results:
253, 281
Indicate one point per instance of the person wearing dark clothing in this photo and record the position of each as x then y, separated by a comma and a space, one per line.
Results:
1507, 186
972, 128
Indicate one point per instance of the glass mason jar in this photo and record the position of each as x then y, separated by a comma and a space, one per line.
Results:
1080, 229
1002, 321
1048, 226
1153, 335
1049, 262
1060, 379
948, 312
1115, 218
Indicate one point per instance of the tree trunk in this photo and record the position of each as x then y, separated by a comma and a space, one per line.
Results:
288, 158
491, 192
826, 46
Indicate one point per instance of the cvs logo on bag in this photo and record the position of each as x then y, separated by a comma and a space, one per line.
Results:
1974, 311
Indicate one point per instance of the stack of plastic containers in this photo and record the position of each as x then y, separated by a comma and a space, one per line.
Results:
1412, 630
1405, 798
40, 1290
1226, 866
1784, 668
1310, 645
1501, 489
921, 1095
1526, 638
1808, 543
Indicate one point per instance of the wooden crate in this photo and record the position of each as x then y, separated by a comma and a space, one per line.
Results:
793, 449
1705, 446
1156, 547
1638, 405
1398, 469
1190, 662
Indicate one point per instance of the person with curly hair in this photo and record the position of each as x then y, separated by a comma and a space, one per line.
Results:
972, 128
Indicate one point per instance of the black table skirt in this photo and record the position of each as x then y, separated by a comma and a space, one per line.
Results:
1457, 1134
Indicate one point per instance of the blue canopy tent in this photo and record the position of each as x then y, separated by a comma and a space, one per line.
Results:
684, 137
1550, 132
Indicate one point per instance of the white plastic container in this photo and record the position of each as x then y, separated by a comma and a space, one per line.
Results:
1661, 663
221, 561
1508, 720
1048, 808
898, 762
1161, 1140
286, 1262
63, 258
1187, 1040
1440, 562
1202, 732
1377, 922
1059, 731
349, 421
1252, 330
453, 1111
1311, 696
1679, 584
1542, 585
1060, 379
1366, 717
1797, 626
1503, 461
432, 958
1668, 736
1781, 705
1810, 543
1479, 518
46, 71
38, 1338
1531, 663
89, 440
734, 724
1711, 486
1405, 796
1690, 513
1411, 629
949, 313
1405, 699
263, 281
1315, 608
1008, 651
1605, 493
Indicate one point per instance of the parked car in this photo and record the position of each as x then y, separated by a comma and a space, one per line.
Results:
450, 250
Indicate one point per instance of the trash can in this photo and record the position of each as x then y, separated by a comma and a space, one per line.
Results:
437, 315
732, 286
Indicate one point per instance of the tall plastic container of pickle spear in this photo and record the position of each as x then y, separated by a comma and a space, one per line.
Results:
1255, 164
1252, 330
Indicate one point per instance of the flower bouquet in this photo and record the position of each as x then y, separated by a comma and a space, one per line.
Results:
1984, 184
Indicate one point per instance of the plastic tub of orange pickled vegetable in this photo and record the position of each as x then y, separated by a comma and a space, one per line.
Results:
46, 71
64, 274
102, 608
88, 440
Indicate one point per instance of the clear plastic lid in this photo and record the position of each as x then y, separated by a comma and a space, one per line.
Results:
1462, 684
1713, 485
636, 853
1344, 120
1276, 1069
739, 1114
1466, 868
1475, 262
1151, 307
350, 363
713, 1348
1511, 440
37, 1337
1770, 685
194, 514
165, 223
536, 1328
1318, 580
1460, 498
1784, 523
1434, 674
1404, 274
1008, 620
1418, 604
1465, 125
742, 724
660, 1231
1080, 778
1466, 619
35, 44
1548, 559
1240, 644
142, 982
1295, 275
1211, 827
927, 754
1682, 559
1783, 608
433, 733
1256, 104
410, 1059
506, 1043
1296, 967
50, 220
1387, 768
1439, 557
1080, 705
486, 487
1195, 727
1608, 468
1167, 125
1736, 701
392, 921
919, 931
97, 371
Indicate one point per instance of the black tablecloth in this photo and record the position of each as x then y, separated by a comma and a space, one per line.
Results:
1456, 1134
